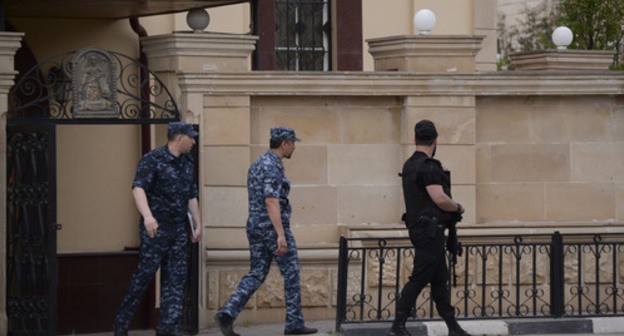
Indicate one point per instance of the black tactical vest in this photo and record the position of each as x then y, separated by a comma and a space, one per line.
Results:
417, 200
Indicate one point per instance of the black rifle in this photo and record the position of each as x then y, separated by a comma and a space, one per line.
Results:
453, 247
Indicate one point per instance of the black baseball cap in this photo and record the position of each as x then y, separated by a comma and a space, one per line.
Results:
425, 130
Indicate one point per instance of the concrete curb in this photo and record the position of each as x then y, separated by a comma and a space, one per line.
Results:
602, 325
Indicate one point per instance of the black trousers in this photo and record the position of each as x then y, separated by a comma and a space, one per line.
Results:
429, 268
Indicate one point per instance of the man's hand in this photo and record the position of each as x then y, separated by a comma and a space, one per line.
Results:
282, 245
151, 226
273, 209
196, 234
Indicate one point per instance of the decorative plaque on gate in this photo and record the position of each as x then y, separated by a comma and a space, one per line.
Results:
93, 85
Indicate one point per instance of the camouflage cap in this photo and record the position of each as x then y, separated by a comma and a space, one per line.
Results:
283, 133
179, 127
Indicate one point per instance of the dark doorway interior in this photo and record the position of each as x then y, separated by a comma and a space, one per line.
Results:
90, 290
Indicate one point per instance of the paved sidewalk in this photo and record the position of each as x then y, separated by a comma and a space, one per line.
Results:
525, 326
611, 326
325, 327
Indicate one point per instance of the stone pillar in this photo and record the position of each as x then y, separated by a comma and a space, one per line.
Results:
9, 43
485, 12
561, 60
224, 125
425, 53
199, 52
196, 53
455, 120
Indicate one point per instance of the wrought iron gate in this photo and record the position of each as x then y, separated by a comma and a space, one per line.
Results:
50, 91
41, 98
31, 231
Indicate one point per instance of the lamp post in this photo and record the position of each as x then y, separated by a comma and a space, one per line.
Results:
562, 37
198, 19
424, 20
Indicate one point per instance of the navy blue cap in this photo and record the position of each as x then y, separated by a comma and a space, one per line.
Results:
179, 127
283, 133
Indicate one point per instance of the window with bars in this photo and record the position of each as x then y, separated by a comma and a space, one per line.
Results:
302, 35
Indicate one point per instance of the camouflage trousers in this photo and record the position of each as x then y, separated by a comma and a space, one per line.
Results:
167, 250
262, 250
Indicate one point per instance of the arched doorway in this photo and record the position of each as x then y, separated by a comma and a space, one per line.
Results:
74, 290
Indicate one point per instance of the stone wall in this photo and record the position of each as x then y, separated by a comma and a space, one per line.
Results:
544, 159
327, 188
522, 148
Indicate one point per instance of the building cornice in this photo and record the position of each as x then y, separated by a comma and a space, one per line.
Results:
272, 83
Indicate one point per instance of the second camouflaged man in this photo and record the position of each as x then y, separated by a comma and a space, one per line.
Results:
269, 235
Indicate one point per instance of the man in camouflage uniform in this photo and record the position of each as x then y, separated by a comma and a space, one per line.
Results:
269, 235
164, 191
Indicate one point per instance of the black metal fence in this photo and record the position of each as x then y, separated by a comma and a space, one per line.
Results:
497, 276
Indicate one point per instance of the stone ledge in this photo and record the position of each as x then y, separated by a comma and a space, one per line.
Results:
512, 83
190, 52
306, 256
558, 326
380, 328
425, 53
497, 327
562, 60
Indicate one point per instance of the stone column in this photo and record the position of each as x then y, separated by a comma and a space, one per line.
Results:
425, 53
455, 120
199, 52
485, 12
224, 122
9, 43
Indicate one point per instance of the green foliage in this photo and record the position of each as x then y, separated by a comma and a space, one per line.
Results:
532, 33
596, 24
536, 33
502, 64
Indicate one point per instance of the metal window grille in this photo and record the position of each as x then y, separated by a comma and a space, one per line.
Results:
302, 35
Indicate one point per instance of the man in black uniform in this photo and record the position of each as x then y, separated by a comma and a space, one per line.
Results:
429, 209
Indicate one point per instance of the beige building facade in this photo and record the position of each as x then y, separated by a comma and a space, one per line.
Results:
533, 151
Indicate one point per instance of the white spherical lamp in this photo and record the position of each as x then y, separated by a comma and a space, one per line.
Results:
424, 20
562, 37
198, 19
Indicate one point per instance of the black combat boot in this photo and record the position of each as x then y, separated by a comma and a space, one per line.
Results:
458, 332
453, 326
398, 326
301, 331
164, 333
119, 331
224, 321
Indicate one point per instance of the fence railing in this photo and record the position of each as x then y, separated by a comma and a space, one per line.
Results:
497, 276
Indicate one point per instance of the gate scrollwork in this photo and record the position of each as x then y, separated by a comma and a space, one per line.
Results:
91, 83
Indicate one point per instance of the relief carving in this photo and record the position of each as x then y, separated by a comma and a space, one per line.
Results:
93, 84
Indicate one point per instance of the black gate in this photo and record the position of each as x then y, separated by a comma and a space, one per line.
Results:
41, 98
31, 232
